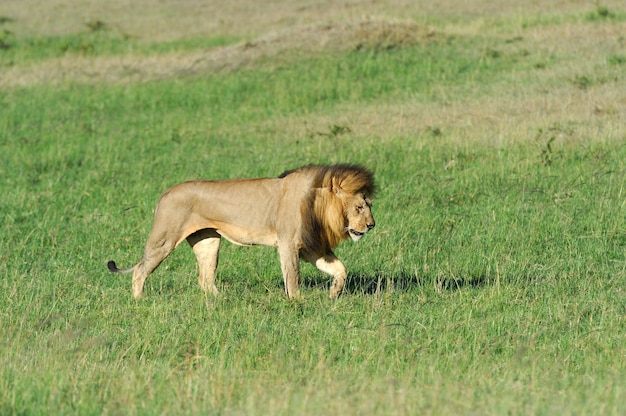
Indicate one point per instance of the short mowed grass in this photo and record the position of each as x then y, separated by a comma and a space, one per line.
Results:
493, 283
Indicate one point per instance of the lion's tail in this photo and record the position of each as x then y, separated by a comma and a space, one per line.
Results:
113, 267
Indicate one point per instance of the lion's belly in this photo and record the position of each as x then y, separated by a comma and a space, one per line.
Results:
247, 237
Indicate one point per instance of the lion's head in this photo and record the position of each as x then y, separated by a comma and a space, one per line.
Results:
357, 210
339, 206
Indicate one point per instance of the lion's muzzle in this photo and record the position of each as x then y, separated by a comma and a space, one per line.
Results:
356, 235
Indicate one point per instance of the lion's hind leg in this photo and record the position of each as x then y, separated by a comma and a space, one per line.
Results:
160, 244
206, 246
153, 256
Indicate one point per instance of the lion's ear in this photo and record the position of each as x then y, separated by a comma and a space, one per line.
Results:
335, 187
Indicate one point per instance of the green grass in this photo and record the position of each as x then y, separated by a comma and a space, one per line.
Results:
493, 283
16, 50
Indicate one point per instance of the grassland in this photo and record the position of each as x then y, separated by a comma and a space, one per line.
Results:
494, 282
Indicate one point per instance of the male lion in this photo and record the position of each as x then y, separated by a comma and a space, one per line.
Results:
304, 213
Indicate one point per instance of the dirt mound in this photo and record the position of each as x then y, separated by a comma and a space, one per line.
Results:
366, 34
298, 42
312, 41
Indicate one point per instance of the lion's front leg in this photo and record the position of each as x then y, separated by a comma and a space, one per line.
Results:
331, 265
290, 265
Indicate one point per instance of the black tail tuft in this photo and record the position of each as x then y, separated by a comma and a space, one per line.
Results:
112, 266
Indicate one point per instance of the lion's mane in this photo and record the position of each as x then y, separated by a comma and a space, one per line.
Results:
324, 217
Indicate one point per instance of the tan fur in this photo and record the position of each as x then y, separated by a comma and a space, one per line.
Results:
304, 213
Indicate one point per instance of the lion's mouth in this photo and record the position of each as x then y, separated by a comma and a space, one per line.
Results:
356, 235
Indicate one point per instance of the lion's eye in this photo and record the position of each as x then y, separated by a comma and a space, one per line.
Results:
359, 208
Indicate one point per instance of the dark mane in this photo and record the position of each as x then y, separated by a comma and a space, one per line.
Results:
352, 178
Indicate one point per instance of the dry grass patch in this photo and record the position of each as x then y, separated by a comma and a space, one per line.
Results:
280, 30
513, 117
288, 44
168, 20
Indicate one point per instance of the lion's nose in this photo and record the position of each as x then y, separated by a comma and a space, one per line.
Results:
371, 225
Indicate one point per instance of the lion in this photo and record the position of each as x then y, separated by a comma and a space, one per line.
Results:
304, 213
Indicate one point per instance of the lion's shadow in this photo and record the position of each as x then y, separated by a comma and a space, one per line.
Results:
377, 282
